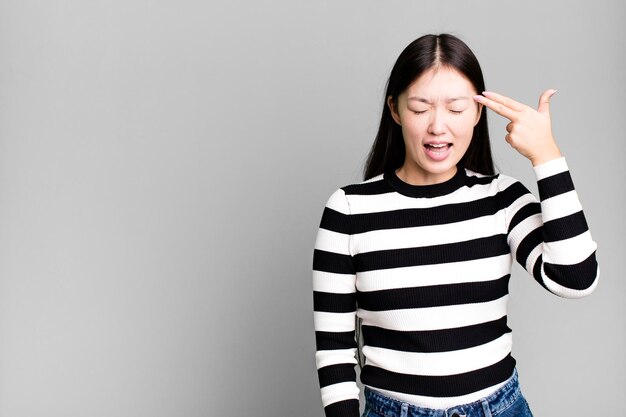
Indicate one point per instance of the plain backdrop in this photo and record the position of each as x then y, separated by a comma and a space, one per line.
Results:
163, 170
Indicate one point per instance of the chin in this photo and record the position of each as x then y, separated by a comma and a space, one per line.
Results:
440, 169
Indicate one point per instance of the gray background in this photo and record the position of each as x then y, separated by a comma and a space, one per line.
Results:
163, 169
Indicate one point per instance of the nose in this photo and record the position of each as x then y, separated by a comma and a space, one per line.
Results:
437, 123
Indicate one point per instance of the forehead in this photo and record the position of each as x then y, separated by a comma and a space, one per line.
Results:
441, 82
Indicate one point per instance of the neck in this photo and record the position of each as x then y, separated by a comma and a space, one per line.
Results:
419, 177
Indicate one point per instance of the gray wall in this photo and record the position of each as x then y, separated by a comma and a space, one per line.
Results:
163, 169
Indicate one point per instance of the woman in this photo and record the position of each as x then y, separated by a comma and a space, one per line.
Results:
420, 252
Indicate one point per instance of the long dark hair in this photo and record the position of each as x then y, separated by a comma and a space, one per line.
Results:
444, 50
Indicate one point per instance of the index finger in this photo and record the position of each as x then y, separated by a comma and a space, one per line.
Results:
504, 100
497, 107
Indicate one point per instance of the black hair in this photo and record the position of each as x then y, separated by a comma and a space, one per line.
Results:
444, 50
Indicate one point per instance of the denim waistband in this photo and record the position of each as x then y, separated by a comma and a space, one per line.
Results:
486, 407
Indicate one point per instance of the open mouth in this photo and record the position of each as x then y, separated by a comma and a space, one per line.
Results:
437, 151
438, 147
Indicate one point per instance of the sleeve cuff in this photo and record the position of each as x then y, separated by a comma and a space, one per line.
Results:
550, 168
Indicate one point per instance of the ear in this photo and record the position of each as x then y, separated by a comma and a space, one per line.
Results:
393, 110
480, 111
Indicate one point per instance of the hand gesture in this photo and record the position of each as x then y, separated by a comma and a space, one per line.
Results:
530, 130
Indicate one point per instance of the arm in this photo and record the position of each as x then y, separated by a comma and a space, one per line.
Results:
334, 303
551, 239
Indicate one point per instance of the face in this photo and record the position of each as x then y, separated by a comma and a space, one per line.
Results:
437, 114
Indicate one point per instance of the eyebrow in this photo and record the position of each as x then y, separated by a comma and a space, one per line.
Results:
450, 100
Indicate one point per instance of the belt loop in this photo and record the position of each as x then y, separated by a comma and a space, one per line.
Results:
404, 411
486, 408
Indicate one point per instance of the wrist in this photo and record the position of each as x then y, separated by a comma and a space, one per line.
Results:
550, 168
546, 156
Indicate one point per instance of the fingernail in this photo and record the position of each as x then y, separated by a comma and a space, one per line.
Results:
478, 97
486, 93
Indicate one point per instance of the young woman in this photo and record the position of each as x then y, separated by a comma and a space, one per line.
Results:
420, 253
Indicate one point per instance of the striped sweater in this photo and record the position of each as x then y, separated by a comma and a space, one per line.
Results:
425, 269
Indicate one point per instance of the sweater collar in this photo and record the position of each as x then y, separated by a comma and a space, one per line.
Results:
426, 191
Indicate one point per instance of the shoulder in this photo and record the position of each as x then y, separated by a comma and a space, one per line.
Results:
500, 180
375, 185
478, 180
504, 188
340, 199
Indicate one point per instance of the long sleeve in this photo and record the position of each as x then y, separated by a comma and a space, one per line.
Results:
550, 238
334, 302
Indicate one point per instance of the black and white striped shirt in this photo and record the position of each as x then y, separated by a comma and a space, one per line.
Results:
426, 270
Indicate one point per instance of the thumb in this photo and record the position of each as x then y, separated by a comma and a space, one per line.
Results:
544, 101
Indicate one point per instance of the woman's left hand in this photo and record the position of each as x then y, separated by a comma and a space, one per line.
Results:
530, 130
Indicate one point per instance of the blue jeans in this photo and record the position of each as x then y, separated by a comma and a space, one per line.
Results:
508, 401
